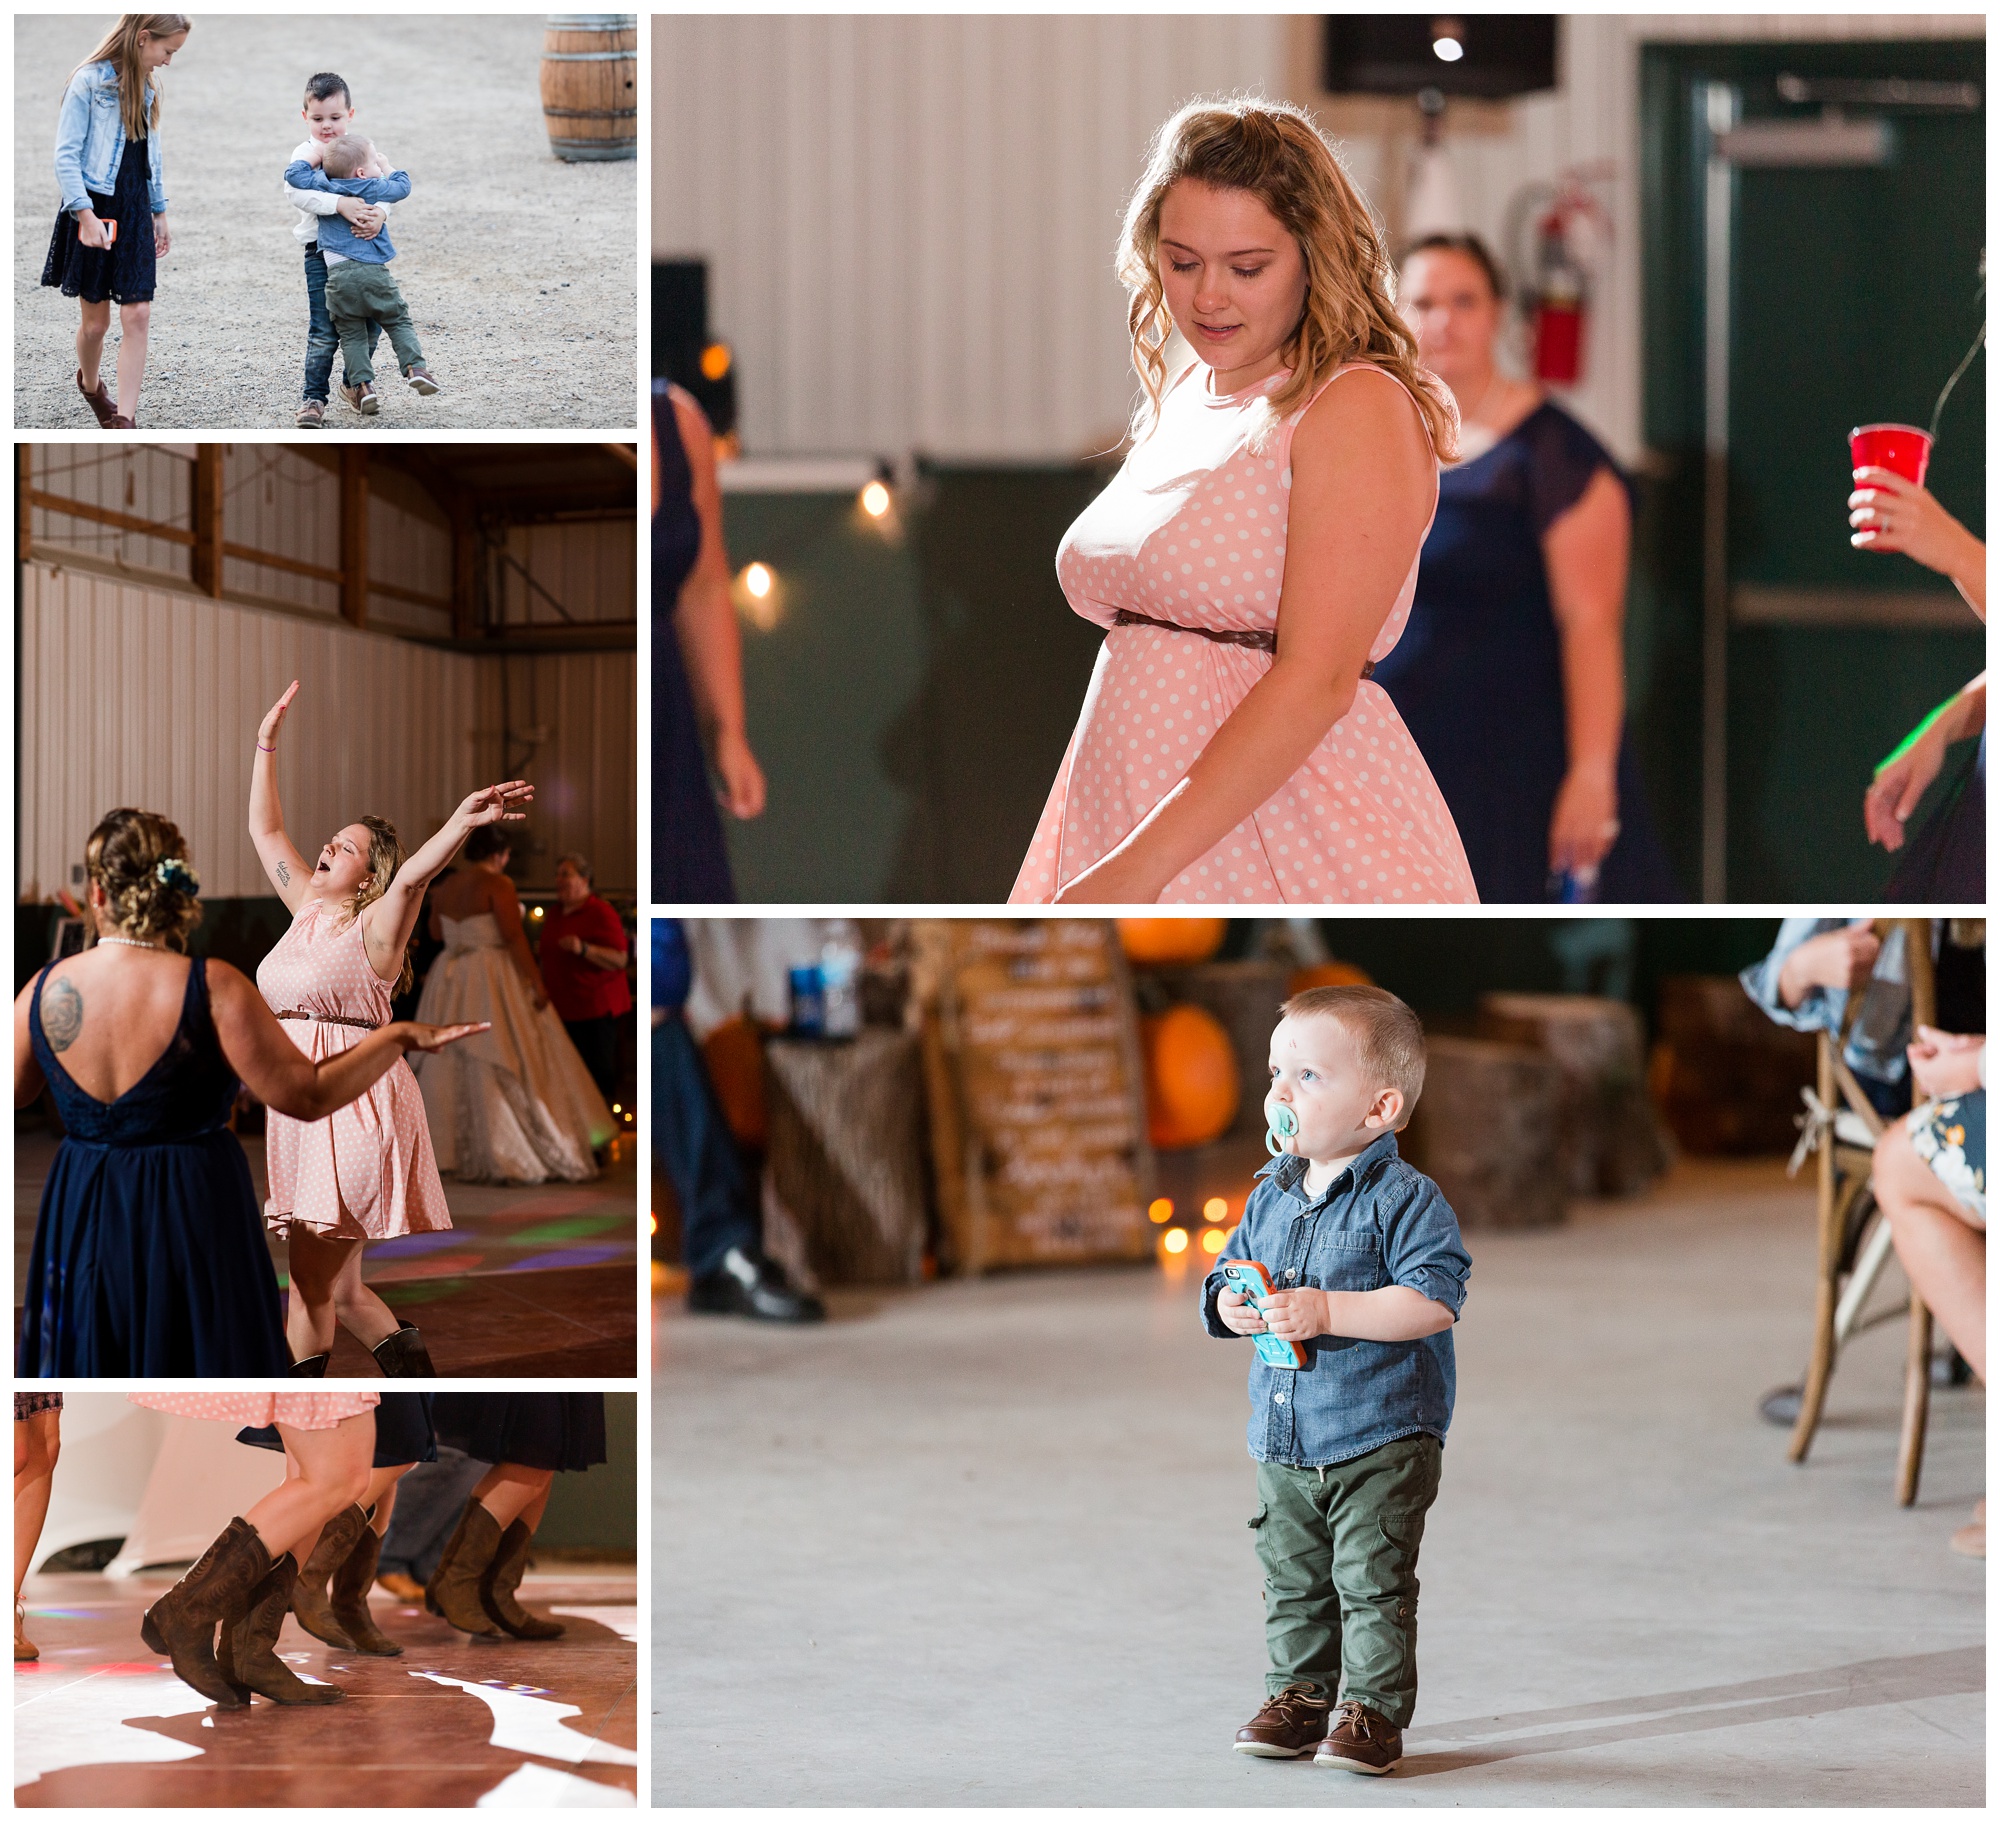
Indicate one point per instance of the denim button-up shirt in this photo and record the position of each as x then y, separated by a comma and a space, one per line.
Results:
1877, 1040
90, 140
336, 234
1380, 1222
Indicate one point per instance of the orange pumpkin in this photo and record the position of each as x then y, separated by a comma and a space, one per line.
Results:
1329, 974
1192, 1085
1171, 939
734, 1054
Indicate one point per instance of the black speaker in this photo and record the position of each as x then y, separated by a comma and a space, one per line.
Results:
1489, 55
683, 349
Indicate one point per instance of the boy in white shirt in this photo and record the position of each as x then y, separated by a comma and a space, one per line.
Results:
329, 113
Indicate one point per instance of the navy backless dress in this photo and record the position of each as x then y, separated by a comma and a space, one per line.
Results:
149, 1257
690, 862
1477, 675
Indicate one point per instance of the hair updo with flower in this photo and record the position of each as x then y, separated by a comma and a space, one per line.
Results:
139, 860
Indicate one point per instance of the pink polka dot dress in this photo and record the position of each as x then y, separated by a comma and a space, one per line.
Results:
301, 1410
366, 1171
1192, 531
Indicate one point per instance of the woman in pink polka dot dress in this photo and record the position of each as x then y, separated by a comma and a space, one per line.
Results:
367, 1172
1256, 554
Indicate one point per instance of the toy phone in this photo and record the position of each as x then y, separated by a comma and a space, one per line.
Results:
1284, 1125
1249, 1279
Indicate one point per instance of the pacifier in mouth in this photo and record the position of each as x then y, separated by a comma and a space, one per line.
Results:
1284, 1125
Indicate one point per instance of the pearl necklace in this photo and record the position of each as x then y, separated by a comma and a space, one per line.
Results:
130, 942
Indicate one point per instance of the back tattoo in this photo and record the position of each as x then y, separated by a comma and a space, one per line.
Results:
62, 1015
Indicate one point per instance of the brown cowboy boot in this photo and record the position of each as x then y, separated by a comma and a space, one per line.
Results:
403, 1354
453, 1593
103, 407
349, 1598
309, 1602
182, 1622
502, 1577
247, 1657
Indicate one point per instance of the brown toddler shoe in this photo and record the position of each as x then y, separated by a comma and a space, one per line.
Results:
1361, 1740
421, 380
1288, 1726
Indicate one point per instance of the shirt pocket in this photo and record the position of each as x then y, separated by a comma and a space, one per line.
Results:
1347, 1260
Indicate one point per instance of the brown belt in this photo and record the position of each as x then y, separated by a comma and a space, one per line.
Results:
327, 1018
1229, 635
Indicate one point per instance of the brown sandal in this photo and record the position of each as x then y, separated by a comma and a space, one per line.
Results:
100, 402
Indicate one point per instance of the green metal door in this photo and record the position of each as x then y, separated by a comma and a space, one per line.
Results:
1813, 227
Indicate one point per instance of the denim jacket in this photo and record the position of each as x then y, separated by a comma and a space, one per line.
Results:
1881, 1028
90, 140
1379, 1222
336, 235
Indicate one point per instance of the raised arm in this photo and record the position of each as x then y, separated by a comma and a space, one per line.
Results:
391, 920
283, 864
280, 1074
1363, 484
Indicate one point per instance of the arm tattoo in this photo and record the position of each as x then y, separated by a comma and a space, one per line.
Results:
284, 875
62, 1015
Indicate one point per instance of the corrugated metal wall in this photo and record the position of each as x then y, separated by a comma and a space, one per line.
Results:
409, 545
590, 567
154, 482
910, 221
151, 696
283, 501
571, 723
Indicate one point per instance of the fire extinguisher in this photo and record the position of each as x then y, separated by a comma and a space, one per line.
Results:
1569, 230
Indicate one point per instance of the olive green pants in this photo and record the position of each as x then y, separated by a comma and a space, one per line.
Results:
1339, 1549
358, 294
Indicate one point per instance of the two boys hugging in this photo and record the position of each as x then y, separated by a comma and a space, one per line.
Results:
344, 189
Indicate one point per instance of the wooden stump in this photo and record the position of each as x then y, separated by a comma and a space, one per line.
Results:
1488, 1129
846, 1153
1245, 997
1724, 1074
1612, 1140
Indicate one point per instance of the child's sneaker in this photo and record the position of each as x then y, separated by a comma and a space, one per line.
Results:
312, 415
363, 398
421, 381
1288, 1726
1362, 1741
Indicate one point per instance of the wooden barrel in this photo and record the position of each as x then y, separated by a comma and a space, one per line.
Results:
590, 85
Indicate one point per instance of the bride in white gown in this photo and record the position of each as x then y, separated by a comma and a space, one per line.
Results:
515, 1104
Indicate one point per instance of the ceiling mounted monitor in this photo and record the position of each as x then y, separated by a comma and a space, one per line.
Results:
1490, 55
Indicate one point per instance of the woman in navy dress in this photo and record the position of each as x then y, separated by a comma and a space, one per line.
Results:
149, 1256
1511, 672
697, 665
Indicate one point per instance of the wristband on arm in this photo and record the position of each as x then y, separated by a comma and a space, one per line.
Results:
1915, 734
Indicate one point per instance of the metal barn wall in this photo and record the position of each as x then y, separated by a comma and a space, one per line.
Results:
409, 546
591, 567
131, 695
910, 221
283, 501
154, 482
570, 725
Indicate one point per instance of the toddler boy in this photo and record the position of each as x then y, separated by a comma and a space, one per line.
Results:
1369, 1276
359, 288
328, 111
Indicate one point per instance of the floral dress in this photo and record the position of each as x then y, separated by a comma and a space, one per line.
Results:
1950, 1136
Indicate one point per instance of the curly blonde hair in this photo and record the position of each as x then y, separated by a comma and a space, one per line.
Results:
1273, 150
140, 862
385, 856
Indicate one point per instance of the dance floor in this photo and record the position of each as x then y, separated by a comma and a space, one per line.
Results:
535, 1280
454, 1721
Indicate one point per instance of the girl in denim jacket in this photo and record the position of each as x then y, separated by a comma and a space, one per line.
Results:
112, 226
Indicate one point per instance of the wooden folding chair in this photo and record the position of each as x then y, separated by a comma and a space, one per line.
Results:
1842, 1134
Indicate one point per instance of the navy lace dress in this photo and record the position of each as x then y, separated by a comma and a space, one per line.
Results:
1477, 674
690, 862
149, 1256
559, 1430
126, 271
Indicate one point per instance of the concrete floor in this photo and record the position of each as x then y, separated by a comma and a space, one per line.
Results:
984, 1544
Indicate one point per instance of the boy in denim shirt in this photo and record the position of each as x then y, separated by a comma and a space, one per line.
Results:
359, 287
1369, 1276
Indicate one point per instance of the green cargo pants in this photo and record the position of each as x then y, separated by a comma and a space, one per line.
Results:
1339, 1549
358, 294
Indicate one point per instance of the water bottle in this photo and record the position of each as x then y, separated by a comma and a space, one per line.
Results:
840, 980
1579, 887
808, 1011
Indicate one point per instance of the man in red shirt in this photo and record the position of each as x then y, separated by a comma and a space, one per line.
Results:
582, 957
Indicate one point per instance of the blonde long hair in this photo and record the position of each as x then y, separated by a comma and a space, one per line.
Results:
385, 857
120, 48
1273, 150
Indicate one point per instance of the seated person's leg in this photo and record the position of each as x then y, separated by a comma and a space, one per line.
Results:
1939, 1238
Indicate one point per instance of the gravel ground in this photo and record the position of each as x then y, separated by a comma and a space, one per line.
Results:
519, 270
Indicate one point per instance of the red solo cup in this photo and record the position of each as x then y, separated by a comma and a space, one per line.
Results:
1900, 448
